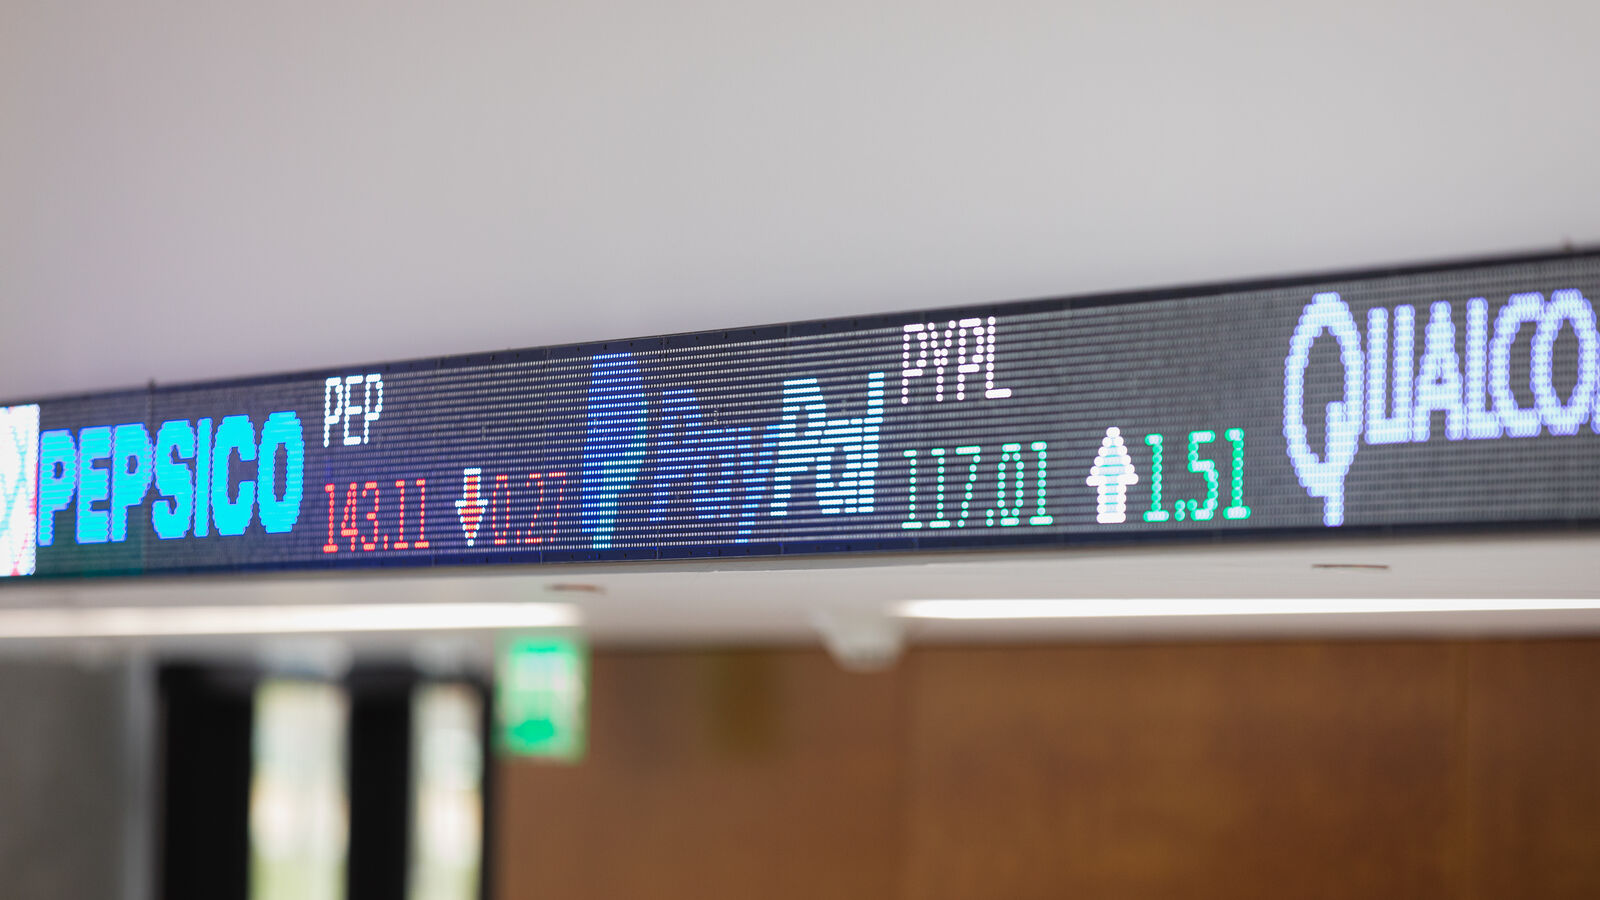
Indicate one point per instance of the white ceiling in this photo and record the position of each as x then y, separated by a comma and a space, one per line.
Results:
195, 191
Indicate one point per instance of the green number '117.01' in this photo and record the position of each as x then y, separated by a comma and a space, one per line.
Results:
1007, 481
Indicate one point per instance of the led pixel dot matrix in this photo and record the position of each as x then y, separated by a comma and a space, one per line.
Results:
1439, 396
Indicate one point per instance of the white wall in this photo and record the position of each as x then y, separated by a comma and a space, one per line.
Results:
193, 190
74, 765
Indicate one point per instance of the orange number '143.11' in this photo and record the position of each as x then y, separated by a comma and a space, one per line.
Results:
358, 520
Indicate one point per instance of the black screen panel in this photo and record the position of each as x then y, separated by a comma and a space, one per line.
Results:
1438, 396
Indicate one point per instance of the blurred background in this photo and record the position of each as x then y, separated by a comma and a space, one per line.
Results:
192, 191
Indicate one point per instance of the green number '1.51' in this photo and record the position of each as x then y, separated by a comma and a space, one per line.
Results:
1202, 509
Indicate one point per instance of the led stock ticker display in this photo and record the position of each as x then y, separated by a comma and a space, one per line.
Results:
1436, 396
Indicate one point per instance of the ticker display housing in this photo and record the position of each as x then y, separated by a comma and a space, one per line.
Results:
1445, 396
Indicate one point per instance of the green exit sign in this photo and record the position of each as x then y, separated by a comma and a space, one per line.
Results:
541, 697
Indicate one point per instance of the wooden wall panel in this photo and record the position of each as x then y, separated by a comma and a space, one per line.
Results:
1533, 714
769, 774
1317, 769
1267, 770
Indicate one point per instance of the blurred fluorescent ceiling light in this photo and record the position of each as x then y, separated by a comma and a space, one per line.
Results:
1103, 608
175, 621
